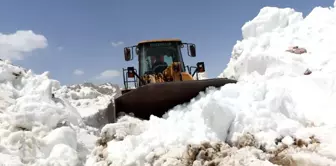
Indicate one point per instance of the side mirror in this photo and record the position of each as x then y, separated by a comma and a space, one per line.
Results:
200, 67
127, 54
192, 49
137, 51
130, 72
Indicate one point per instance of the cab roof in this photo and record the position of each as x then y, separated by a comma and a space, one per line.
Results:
159, 40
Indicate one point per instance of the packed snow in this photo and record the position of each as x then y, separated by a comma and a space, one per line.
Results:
279, 113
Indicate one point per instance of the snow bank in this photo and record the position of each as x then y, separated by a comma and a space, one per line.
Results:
263, 48
274, 113
269, 19
35, 127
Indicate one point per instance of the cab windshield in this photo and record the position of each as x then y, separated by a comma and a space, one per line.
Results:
156, 57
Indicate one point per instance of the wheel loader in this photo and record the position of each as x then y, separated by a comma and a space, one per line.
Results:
162, 80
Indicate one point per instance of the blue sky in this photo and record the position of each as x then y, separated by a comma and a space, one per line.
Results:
80, 32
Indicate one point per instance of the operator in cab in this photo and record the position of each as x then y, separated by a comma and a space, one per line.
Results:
159, 64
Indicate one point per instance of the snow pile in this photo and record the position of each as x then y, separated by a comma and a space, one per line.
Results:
90, 100
265, 41
35, 127
275, 114
269, 19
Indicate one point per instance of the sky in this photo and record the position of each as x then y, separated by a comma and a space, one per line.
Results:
82, 40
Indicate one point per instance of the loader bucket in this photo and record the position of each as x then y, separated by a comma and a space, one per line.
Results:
156, 99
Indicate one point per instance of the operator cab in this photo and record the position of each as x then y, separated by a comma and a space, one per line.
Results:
155, 57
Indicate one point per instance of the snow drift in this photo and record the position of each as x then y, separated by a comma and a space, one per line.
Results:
35, 127
275, 114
